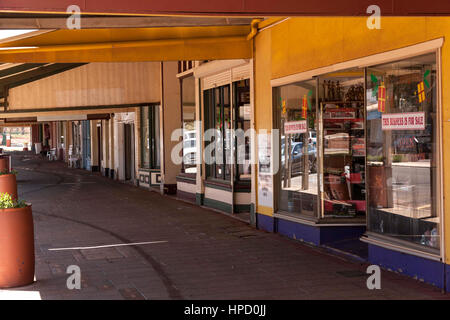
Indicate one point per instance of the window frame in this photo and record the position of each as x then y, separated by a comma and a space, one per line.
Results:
210, 123
181, 79
151, 108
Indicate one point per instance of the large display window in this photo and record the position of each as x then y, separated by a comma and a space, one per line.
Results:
187, 86
402, 150
230, 135
366, 150
218, 118
298, 149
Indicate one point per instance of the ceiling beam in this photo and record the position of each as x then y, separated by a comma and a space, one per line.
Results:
88, 22
35, 74
212, 48
18, 68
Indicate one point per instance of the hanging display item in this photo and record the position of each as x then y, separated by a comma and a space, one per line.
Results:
425, 75
305, 107
381, 97
283, 104
421, 92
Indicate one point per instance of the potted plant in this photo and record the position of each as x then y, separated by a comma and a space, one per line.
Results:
16, 242
8, 183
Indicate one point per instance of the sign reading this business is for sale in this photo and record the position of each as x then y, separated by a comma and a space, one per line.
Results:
293, 127
403, 121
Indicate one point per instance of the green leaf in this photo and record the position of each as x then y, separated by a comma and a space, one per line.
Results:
374, 80
425, 75
309, 99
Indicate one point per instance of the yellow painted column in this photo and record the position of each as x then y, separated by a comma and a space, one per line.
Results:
263, 101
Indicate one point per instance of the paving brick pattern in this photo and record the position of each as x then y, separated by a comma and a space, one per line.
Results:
207, 255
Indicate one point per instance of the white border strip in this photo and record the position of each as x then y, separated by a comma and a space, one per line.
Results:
379, 58
401, 249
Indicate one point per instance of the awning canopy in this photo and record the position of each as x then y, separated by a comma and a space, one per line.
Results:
162, 39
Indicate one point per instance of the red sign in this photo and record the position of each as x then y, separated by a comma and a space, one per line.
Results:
293, 127
403, 121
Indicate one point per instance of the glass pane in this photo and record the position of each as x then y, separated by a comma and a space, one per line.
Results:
298, 149
145, 142
218, 117
242, 128
227, 130
341, 96
401, 119
218, 125
209, 106
189, 140
155, 139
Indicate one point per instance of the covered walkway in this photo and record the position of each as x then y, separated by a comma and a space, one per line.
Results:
203, 254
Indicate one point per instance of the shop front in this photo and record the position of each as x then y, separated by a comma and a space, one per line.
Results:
228, 181
360, 145
219, 141
358, 148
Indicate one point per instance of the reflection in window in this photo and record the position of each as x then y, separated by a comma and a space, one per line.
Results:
401, 117
242, 128
298, 172
188, 114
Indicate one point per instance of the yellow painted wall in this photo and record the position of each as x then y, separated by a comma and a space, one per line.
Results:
306, 43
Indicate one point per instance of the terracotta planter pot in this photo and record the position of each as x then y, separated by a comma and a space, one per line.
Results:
8, 184
16, 247
4, 164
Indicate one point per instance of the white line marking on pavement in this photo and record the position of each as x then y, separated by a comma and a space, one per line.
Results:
108, 246
66, 183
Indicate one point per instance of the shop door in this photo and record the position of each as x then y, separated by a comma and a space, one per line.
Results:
342, 154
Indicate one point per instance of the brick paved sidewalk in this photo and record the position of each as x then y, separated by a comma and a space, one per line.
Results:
207, 255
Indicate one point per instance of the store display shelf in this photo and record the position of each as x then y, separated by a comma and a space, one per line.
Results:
332, 153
